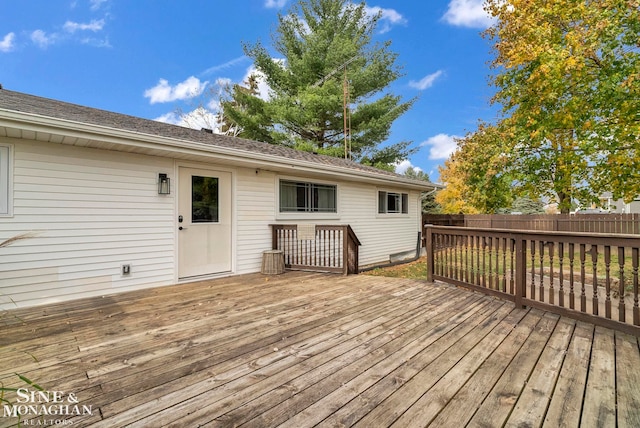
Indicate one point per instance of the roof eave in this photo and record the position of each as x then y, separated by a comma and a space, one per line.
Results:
168, 145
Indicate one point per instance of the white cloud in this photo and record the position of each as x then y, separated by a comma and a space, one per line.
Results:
6, 44
403, 166
96, 4
426, 82
441, 146
389, 17
41, 38
94, 25
273, 4
467, 13
225, 65
98, 43
163, 92
170, 117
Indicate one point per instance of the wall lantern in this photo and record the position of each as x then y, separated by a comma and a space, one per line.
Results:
164, 184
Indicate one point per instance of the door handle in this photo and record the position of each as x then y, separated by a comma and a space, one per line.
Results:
182, 228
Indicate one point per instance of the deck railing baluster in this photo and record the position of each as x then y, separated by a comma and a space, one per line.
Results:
572, 296
583, 293
327, 250
466, 258
561, 274
455, 257
594, 262
472, 265
533, 269
478, 269
512, 269
551, 279
636, 308
607, 281
541, 257
504, 264
490, 245
478, 259
484, 262
622, 310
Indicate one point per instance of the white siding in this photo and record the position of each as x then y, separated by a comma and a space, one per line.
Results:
380, 235
255, 204
89, 212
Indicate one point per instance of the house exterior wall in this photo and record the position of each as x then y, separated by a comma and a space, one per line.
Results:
620, 206
380, 234
90, 211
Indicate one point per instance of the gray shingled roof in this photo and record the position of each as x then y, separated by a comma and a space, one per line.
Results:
21, 102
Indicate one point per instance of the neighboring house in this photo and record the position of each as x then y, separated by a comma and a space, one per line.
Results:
87, 183
619, 206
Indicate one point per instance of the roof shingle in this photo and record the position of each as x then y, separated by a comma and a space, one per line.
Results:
25, 103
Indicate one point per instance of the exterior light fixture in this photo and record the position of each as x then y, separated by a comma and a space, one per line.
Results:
164, 184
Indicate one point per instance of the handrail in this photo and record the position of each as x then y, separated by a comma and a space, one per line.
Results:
588, 276
335, 248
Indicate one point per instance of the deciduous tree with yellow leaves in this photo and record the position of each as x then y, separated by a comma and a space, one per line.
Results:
567, 74
568, 78
477, 175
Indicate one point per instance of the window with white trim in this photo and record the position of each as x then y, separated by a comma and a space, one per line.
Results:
5, 181
300, 196
393, 203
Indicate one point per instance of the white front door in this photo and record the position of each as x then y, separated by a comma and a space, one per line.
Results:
204, 222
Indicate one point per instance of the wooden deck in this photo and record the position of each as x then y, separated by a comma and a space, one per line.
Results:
303, 349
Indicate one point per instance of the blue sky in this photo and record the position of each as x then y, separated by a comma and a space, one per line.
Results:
149, 58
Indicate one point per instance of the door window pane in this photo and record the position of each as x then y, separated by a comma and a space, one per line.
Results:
204, 199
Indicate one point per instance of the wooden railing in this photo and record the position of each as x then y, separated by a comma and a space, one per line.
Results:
328, 248
589, 223
591, 277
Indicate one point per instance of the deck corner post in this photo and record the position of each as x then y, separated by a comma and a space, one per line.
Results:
274, 237
521, 270
429, 250
345, 250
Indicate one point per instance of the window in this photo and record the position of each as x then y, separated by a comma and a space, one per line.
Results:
296, 196
204, 199
393, 203
5, 181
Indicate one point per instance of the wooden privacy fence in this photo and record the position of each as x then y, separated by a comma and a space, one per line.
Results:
590, 223
321, 248
591, 277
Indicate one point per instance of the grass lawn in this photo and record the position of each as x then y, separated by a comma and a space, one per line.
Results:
413, 270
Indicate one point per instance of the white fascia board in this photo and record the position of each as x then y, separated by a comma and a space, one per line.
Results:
167, 145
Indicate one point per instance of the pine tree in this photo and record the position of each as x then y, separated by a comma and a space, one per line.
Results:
327, 60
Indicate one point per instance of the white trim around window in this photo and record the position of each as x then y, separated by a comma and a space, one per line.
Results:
306, 199
392, 203
6, 180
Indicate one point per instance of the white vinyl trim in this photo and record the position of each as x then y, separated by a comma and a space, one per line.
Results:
6, 180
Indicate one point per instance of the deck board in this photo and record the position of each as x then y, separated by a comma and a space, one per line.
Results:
306, 349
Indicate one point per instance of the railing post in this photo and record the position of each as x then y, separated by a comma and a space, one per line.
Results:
429, 249
521, 270
345, 251
274, 237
